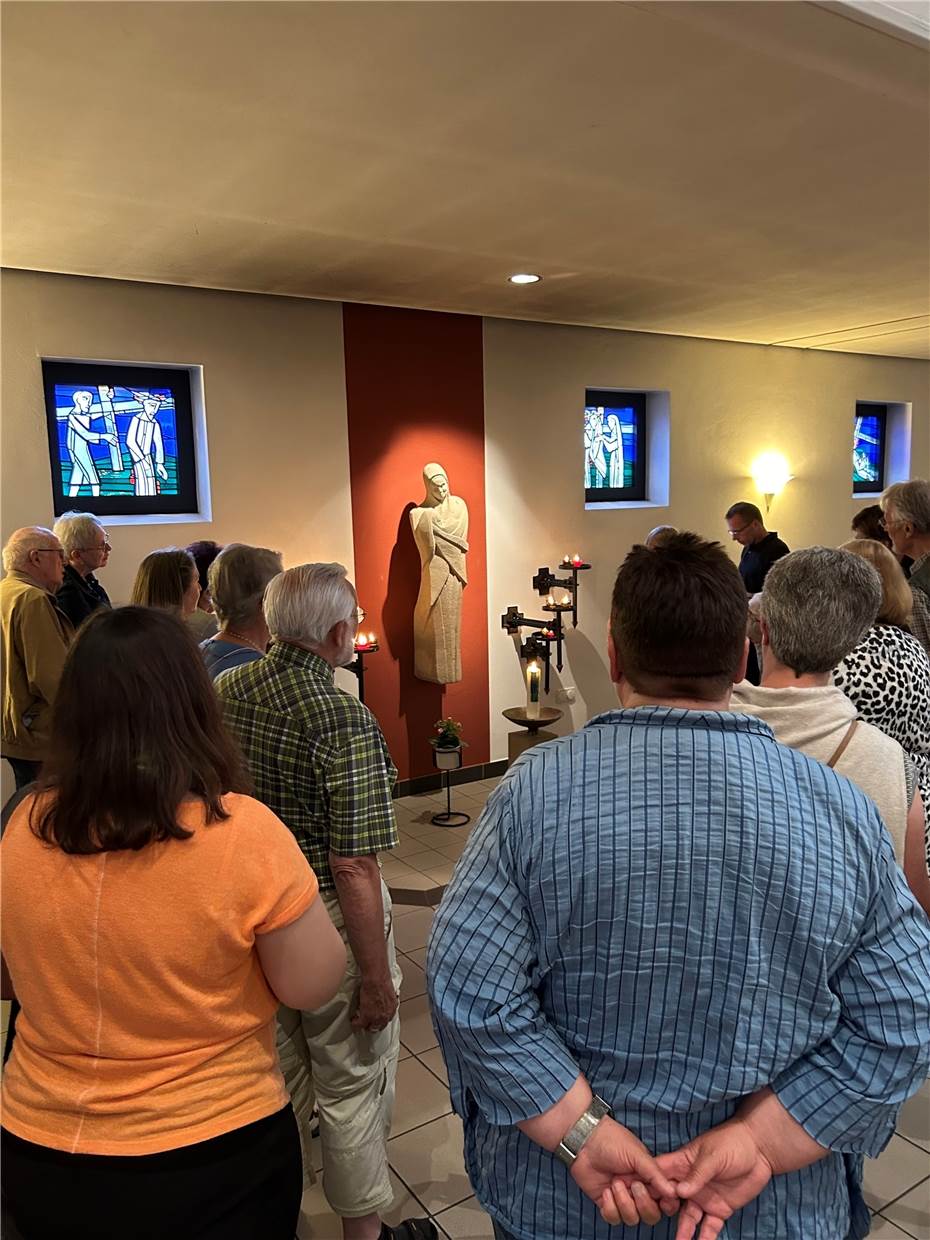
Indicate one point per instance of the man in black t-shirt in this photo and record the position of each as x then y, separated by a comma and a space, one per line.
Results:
761, 549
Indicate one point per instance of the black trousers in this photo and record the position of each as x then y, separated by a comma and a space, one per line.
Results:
244, 1185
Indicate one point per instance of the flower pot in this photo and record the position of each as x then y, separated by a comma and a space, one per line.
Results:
447, 759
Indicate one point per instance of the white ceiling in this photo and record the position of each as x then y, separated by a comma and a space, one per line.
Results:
745, 171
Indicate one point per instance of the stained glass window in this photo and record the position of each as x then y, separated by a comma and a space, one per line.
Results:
614, 446
868, 453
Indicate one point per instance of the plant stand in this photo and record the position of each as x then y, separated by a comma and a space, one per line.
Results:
448, 760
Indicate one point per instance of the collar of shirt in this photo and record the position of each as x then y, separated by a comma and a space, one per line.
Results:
289, 655
923, 562
676, 717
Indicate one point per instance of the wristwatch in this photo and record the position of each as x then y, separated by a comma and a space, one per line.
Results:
569, 1147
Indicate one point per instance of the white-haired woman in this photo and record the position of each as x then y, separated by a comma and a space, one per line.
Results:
87, 549
237, 579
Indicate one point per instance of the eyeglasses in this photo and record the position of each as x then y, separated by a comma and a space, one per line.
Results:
360, 614
889, 524
50, 551
105, 547
742, 529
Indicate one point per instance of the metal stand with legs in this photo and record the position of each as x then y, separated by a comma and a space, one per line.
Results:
451, 817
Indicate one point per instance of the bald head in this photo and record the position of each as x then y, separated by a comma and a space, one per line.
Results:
35, 551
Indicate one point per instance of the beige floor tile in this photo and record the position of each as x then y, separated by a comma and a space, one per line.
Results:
454, 849
882, 1229
400, 909
408, 845
424, 859
418, 956
419, 1097
414, 978
317, 1221
412, 931
914, 1120
393, 869
441, 873
411, 880
429, 1161
912, 1212
899, 1168
436, 1064
466, 1221
416, 1028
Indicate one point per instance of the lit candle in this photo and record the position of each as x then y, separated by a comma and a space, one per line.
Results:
361, 641
566, 559
576, 558
532, 690
566, 600
549, 600
372, 639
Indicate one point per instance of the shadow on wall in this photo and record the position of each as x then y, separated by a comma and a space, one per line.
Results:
420, 702
590, 669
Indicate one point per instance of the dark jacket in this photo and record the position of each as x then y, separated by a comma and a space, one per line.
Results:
756, 561
79, 596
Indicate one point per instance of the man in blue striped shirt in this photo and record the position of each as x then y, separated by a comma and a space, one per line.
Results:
670, 914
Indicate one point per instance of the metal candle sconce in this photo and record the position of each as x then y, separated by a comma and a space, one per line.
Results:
548, 632
357, 666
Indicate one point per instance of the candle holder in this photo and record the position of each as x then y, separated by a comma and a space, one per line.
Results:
550, 631
357, 666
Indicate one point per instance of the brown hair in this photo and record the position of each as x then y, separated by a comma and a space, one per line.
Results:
135, 730
869, 523
749, 512
897, 599
163, 578
678, 618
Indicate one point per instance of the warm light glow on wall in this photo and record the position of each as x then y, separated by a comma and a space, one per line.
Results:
770, 473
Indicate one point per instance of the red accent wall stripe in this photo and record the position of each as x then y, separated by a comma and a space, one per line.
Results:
415, 393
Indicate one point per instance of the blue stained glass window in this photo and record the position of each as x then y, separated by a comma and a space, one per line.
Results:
614, 455
868, 452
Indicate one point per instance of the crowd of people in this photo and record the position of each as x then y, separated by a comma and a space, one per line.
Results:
681, 974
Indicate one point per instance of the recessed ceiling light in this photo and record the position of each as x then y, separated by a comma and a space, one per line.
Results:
524, 277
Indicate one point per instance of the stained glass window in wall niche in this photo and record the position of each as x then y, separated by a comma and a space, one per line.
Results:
614, 446
868, 453
121, 438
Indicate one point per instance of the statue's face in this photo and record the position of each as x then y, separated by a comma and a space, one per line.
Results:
83, 401
438, 487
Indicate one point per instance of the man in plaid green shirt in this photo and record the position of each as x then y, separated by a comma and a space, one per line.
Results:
320, 762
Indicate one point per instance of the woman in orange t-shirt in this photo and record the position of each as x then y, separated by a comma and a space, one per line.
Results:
153, 918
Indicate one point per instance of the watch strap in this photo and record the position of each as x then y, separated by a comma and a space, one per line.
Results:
569, 1147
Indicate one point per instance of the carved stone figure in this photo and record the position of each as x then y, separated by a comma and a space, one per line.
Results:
440, 528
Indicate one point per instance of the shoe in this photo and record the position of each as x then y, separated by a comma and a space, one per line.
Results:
410, 1229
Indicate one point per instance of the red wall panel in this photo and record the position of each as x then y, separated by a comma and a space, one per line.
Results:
415, 393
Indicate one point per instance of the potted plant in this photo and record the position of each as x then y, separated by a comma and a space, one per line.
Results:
447, 744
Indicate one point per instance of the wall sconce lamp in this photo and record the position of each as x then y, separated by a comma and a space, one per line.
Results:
770, 473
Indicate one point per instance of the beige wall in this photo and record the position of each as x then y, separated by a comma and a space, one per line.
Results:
729, 402
275, 407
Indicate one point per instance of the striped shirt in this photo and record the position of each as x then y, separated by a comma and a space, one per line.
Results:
920, 589
686, 911
316, 755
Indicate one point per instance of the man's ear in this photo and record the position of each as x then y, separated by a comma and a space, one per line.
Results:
616, 671
765, 632
741, 669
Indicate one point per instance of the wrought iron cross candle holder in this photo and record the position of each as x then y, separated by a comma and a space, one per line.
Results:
561, 595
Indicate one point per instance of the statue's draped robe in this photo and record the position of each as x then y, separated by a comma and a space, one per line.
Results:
437, 620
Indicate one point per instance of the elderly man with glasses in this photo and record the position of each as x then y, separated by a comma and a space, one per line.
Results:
87, 549
36, 636
906, 509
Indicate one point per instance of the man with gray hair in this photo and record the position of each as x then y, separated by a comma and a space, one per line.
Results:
36, 636
906, 509
816, 606
87, 550
320, 762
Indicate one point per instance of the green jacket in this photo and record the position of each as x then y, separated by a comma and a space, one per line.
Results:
36, 636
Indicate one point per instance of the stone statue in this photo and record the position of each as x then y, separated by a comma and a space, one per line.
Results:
440, 528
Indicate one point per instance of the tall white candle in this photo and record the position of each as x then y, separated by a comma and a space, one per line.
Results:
533, 679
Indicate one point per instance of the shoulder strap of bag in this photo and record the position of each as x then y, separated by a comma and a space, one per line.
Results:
841, 748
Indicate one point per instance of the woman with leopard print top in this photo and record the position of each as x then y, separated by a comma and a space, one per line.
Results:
887, 676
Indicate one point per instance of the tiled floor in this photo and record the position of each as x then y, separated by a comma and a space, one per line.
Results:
425, 1147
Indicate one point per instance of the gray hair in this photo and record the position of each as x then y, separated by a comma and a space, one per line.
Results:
21, 543
659, 536
75, 529
910, 501
237, 579
818, 604
303, 604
